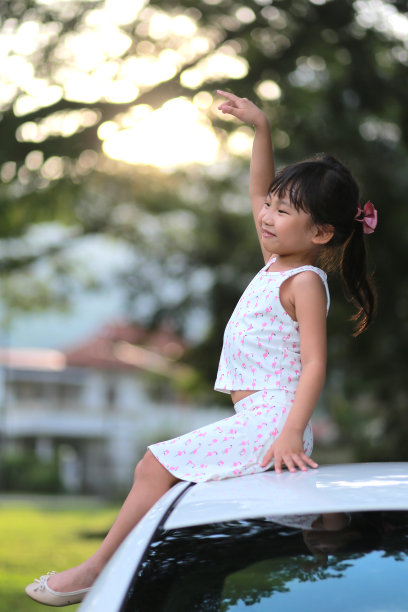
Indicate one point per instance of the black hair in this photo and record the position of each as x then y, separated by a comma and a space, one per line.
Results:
326, 189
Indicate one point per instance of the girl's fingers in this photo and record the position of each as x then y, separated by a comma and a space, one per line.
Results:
228, 95
278, 465
310, 461
290, 462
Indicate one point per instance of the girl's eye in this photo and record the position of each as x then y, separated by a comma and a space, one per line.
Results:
267, 204
284, 212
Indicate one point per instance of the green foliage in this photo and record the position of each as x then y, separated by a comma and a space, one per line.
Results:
25, 472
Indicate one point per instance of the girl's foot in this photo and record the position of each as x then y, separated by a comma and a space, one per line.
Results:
41, 592
73, 579
63, 589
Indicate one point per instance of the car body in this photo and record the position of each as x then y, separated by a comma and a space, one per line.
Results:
268, 542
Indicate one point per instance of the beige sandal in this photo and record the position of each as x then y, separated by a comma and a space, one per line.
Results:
42, 593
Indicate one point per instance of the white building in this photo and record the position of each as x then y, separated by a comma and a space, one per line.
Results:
97, 405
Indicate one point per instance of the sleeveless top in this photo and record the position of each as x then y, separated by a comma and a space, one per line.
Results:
261, 348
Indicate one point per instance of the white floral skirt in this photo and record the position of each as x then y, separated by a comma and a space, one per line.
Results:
234, 446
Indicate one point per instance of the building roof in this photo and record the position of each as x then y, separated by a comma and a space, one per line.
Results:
124, 346
118, 346
32, 359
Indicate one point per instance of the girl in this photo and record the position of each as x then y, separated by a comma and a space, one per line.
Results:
273, 359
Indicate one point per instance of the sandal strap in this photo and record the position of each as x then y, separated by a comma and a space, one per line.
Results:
42, 581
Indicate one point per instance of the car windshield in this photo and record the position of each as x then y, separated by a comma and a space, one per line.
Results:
268, 565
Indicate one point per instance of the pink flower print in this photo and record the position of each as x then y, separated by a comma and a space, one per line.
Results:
227, 450
289, 378
202, 434
242, 379
253, 370
250, 327
181, 453
267, 377
264, 325
275, 432
221, 463
210, 453
236, 463
259, 343
166, 452
243, 451
259, 436
266, 353
274, 363
239, 353
292, 363
270, 337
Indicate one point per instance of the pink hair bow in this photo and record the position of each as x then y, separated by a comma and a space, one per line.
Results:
368, 217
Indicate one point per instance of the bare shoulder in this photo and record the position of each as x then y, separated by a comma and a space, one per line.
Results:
308, 286
301, 291
308, 280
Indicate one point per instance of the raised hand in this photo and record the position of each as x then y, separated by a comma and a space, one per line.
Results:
243, 109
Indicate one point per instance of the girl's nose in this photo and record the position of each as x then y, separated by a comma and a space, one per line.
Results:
267, 217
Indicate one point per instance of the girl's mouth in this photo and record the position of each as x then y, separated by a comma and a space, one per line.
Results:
267, 234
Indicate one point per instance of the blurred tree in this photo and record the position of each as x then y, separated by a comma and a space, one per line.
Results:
332, 76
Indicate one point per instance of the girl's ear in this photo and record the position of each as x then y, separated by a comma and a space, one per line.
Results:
324, 233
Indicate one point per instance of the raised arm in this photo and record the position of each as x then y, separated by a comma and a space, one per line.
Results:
262, 166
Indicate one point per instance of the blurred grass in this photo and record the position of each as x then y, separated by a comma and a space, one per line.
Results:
43, 534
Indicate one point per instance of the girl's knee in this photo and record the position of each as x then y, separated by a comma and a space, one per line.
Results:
146, 465
150, 468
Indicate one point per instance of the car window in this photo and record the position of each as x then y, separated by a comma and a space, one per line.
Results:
264, 565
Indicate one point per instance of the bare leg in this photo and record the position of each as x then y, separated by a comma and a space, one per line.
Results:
151, 481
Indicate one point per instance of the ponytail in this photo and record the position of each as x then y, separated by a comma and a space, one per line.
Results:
357, 281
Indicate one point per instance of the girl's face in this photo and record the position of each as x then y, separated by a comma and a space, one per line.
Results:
286, 231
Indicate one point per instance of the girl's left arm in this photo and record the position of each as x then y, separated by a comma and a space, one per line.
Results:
308, 296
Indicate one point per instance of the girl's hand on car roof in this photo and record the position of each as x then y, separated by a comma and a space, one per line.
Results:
287, 450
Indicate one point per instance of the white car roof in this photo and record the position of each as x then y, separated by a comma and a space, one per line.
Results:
335, 488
